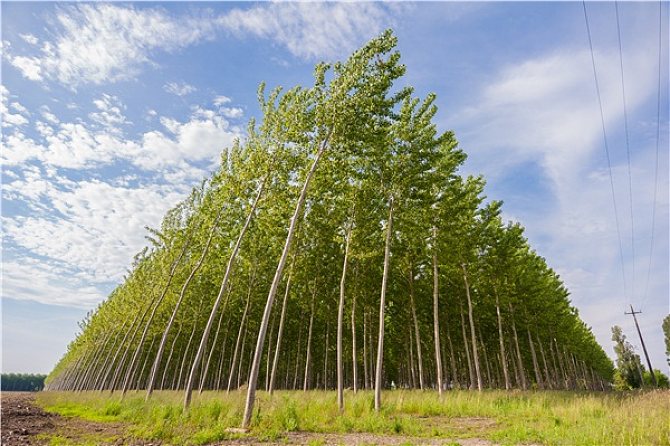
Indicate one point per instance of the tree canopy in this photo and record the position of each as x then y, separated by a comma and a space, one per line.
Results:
336, 246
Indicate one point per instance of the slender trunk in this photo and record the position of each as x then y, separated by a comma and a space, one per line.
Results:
308, 354
144, 364
297, 357
240, 332
224, 284
411, 359
536, 368
522, 374
436, 319
366, 379
258, 353
173, 270
340, 323
502, 342
382, 305
188, 348
547, 377
280, 332
166, 333
354, 368
204, 373
452, 358
269, 352
475, 355
239, 367
325, 360
417, 335
471, 372
169, 358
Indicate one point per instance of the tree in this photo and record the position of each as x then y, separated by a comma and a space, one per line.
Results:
628, 362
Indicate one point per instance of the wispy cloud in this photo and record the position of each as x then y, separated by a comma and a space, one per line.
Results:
102, 43
179, 89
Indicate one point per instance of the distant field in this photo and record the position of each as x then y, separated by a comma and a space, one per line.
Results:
408, 417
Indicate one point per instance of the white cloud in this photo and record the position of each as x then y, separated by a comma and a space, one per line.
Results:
232, 112
221, 100
8, 118
311, 30
179, 89
101, 43
30, 67
29, 38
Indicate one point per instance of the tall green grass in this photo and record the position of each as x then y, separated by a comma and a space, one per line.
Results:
551, 417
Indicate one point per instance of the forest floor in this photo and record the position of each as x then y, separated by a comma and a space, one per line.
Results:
464, 418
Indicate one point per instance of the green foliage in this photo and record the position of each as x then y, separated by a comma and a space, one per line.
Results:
661, 379
25, 382
629, 366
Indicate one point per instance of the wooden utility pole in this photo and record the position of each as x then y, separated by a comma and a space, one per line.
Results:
644, 348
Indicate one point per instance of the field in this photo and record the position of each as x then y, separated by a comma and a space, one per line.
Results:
408, 417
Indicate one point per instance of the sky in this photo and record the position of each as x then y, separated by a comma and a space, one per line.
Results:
111, 112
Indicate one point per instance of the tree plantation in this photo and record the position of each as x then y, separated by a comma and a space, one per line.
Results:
337, 247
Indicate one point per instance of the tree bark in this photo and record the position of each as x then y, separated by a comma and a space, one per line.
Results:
475, 355
503, 356
354, 364
417, 335
308, 354
340, 323
522, 374
166, 332
240, 332
280, 331
436, 319
471, 371
258, 353
382, 305
219, 297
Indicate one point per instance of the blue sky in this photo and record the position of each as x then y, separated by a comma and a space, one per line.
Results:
112, 112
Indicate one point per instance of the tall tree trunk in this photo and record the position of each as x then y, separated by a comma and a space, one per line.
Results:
325, 360
173, 270
471, 371
217, 302
475, 355
258, 353
436, 319
240, 332
212, 349
268, 355
366, 379
167, 363
417, 334
547, 377
354, 368
503, 356
536, 368
382, 307
340, 323
452, 358
308, 354
280, 331
411, 359
522, 374
166, 333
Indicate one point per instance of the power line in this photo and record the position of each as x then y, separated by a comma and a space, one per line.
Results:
658, 137
630, 177
607, 153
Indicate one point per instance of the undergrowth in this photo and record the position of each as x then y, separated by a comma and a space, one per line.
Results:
550, 417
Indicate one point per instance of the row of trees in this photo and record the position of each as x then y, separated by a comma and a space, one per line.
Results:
24, 382
337, 247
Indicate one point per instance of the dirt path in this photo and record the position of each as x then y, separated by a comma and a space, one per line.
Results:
23, 423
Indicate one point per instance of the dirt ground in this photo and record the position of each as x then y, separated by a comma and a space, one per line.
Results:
23, 423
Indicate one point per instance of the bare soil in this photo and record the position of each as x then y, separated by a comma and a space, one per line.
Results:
24, 423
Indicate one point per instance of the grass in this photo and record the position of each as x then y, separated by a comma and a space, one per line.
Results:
550, 417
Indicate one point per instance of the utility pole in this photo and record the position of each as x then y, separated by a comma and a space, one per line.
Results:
644, 348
